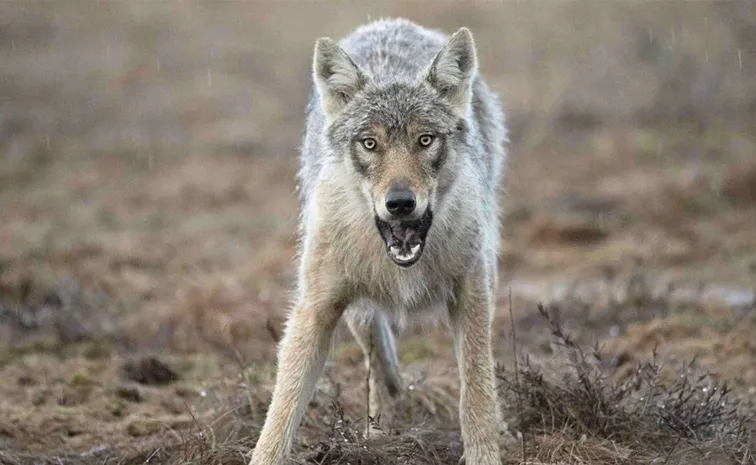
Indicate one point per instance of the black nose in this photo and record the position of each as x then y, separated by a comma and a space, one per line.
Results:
400, 202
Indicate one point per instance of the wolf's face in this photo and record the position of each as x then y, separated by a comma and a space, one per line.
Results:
399, 140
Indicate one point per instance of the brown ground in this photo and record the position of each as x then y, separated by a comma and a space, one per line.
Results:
148, 208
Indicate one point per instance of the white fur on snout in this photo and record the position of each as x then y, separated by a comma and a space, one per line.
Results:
380, 208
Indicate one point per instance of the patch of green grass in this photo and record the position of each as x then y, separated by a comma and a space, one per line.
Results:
80, 379
41, 351
417, 349
703, 204
719, 324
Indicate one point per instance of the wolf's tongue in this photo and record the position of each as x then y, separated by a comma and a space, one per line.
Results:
399, 232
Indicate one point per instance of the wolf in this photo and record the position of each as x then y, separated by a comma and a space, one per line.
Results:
401, 167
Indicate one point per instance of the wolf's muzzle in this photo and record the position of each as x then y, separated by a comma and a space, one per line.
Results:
405, 239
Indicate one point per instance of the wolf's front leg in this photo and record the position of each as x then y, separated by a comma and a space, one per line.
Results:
472, 315
302, 353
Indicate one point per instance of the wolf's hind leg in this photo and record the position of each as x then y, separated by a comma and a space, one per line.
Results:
376, 339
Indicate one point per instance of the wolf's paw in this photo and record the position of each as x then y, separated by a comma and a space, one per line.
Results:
490, 458
462, 461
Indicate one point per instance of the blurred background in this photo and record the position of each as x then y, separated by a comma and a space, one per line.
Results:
147, 202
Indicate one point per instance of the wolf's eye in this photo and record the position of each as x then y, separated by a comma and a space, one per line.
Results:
369, 143
425, 140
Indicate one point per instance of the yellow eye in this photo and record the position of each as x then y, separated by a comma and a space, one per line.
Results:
425, 140
369, 143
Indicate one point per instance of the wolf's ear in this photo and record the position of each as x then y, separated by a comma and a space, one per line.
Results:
453, 70
336, 76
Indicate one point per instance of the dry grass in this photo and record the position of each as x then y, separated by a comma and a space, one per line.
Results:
568, 410
37, 316
571, 407
148, 210
656, 414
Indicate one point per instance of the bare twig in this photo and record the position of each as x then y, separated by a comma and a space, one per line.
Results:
517, 380
272, 331
367, 384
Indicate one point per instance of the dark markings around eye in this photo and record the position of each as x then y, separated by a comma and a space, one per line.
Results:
441, 151
359, 165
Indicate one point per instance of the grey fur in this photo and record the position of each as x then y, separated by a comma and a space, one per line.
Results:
395, 75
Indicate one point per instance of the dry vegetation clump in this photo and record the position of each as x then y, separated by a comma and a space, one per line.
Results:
346, 443
328, 435
39, 316
148, 370
740, 183
658, 413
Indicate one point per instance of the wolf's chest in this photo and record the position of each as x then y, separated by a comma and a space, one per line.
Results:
414, 290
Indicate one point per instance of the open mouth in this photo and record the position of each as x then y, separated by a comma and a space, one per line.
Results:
405, 240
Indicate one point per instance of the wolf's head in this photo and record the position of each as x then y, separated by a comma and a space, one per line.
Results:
399, 138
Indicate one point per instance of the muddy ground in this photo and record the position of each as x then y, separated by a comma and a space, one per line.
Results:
148, 212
